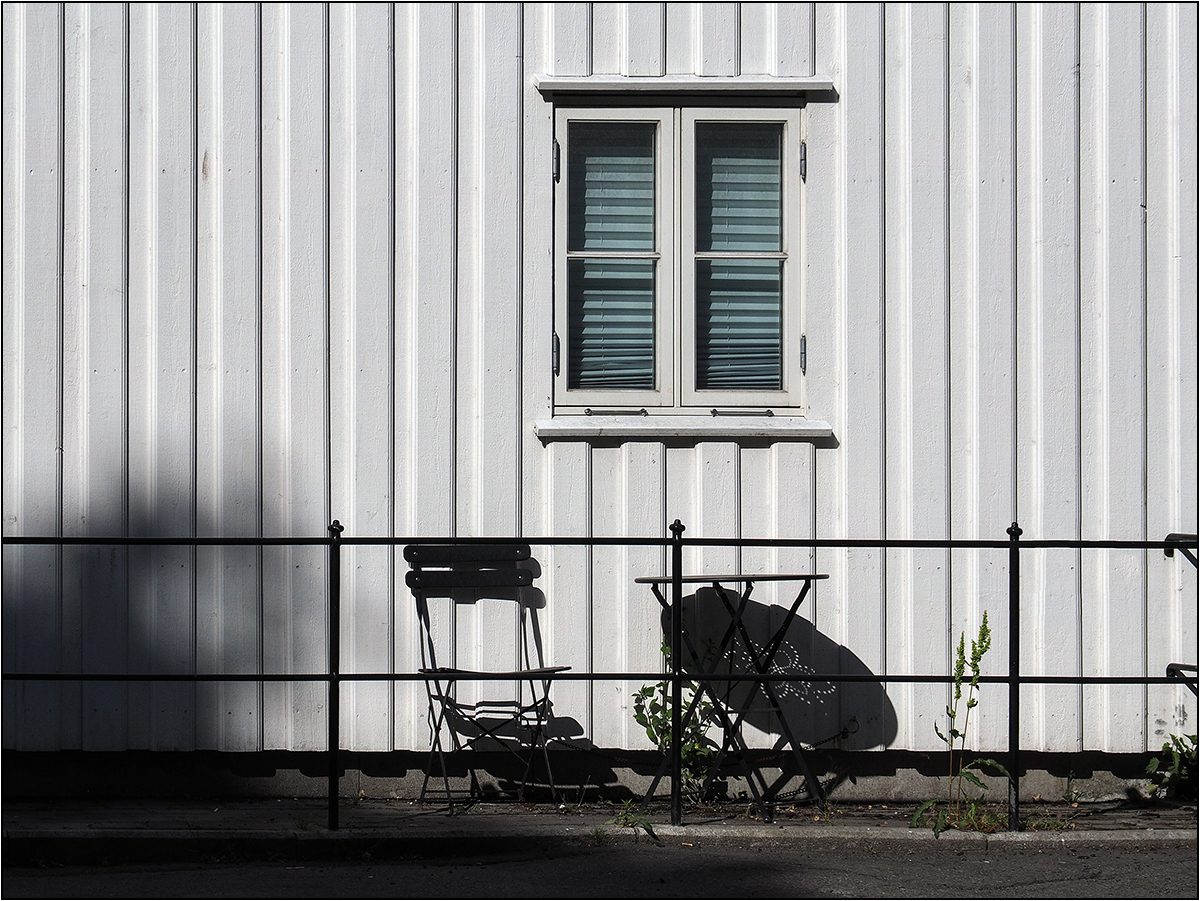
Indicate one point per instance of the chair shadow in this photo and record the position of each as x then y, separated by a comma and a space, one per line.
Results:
502, 732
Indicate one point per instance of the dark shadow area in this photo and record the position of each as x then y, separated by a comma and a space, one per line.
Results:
589, 774
817, 713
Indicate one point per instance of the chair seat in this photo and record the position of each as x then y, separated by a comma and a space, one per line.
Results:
516, 674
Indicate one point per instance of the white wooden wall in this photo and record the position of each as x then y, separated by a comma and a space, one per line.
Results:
269, 266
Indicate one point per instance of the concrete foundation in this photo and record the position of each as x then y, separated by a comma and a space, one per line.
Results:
580, 775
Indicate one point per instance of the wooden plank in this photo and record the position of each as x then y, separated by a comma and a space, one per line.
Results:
553, 482
608, 38
983, 307
162, 424
795, 37
718, 504
758, 40
645, 39
917, 359
430, 289
1048, 474
643, 481
810, 708
229, 375
681, 38
718, 39
488, 495
32, 413
430, 292
567, 622
534, 236
295, 376
1171, 102
362, 333
488, 274
1113, 263
777, 39
865, 446
626, 501
569, 38
409, 726
96, 374
826, 389
610, 586
762, 501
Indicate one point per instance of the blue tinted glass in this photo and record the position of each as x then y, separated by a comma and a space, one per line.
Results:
739, 324
739, 186
611, 186
610, 304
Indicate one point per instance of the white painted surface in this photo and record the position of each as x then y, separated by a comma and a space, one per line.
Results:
266, 267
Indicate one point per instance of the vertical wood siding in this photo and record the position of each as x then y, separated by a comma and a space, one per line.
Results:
265, 266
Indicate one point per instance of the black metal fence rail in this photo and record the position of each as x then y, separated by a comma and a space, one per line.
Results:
1185, 543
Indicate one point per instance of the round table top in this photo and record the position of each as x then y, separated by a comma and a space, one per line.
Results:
734, 577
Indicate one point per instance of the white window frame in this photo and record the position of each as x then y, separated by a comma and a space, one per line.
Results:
675, 252
662, 395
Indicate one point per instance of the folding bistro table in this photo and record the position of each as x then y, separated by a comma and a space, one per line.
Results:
761, 656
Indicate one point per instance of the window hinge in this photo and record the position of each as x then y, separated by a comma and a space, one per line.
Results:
556, 160
803, 354
554, 353
803, 161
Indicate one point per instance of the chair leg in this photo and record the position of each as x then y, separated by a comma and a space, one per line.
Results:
541, 711
438, 719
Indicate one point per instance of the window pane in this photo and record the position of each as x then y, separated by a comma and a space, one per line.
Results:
610, 304
611, 180
739, 324
739, 186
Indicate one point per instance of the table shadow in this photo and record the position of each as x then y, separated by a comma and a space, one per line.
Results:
846, 715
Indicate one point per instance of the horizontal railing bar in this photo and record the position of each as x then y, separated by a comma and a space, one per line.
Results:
167, 542
575, 677
599, 541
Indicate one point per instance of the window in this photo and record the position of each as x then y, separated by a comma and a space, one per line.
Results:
677, 259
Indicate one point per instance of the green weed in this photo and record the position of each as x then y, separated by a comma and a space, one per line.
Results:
961, 810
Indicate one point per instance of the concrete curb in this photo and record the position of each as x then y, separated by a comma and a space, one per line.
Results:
877, 833
123, 845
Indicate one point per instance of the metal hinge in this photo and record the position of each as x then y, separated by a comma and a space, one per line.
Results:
556, 160
554, 353
803, 354
803, 161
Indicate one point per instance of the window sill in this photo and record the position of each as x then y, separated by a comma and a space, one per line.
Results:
683, 84
684, 428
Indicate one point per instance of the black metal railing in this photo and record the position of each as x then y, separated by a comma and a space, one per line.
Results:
333, 677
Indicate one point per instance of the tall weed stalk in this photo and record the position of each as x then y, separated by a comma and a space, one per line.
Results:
956, 739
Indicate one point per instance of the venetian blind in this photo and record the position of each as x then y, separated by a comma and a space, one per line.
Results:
739, 265
610, 254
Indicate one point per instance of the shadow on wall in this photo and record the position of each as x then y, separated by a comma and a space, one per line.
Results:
816, 712
177, 610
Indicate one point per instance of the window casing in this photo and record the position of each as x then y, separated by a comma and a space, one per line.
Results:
677, 269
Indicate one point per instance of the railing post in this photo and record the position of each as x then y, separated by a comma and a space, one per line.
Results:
1014, 677
335, 641
677, 529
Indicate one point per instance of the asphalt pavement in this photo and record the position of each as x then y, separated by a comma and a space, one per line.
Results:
397, 848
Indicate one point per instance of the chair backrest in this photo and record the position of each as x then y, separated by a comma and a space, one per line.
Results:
466, 574
450, 567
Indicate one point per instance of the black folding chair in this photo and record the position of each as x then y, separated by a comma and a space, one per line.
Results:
472, 574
